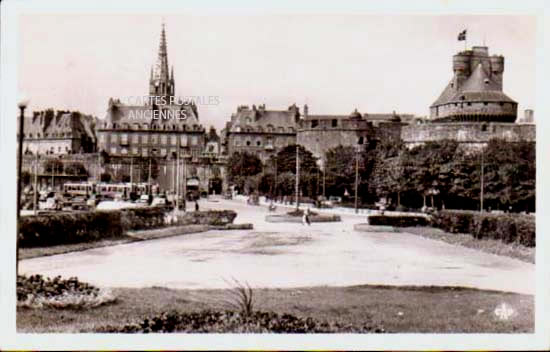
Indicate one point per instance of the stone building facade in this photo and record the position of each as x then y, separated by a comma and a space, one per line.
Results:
320, 133
59, 132
260, 131
160, 127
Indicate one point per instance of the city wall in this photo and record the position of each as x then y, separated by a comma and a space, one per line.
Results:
474, 133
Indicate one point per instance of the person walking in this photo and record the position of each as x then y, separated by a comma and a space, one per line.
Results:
196, 205
305, 218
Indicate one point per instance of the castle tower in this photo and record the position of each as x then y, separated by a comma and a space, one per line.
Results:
161, 81
475, 94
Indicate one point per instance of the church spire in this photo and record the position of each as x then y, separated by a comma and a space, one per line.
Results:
160, 83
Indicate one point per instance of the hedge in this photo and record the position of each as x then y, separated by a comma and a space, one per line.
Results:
66, 228
398, 220
509, 228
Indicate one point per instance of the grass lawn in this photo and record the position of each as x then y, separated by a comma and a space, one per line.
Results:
512, 250
395, 308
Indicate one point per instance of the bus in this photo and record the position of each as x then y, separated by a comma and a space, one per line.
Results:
109, 190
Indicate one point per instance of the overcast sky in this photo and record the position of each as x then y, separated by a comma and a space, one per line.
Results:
334, 63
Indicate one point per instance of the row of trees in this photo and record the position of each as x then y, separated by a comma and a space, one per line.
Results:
441, 174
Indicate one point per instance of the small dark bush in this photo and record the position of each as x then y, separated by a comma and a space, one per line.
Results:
509, 228
398, 220
235, 322
300, 212
38, 286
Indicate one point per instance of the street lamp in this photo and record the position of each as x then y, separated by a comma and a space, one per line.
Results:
22, 105
357, 152
153, 150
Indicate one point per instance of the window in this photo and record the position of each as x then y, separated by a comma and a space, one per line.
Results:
136, 126
154, 139
259, 143
124, 139
174, 139
135, 138
211, 148
360, 140
164, 139
144, 138
334, 123
194, 140
144, 152
485, 103
114, 138
113, 150
163, 152
248, 143
135, 150
124, 151
469, 104
183, 140
237, 142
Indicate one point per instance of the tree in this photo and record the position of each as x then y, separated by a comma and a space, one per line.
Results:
309, 171
242, 166
105, 177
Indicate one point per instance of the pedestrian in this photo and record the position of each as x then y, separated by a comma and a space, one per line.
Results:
196, 205
305, 218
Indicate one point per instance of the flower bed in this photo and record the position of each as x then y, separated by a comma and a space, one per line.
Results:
36, 292
235, 322
509, 228
398, 220
298, 219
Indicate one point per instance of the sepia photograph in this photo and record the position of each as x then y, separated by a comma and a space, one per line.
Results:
270, 176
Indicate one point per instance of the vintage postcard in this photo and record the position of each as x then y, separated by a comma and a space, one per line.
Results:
277, 176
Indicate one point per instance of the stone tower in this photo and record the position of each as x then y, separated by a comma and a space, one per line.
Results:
475, 94
161, 81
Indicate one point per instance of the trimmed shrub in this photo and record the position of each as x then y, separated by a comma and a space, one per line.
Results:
142, 218
235, 322
66, 228
508, 228
398, 220
210, 217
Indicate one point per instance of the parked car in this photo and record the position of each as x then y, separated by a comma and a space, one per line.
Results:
334, 200
143, 200
159, 202
94, 200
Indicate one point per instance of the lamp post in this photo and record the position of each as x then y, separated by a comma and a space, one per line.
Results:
481, 183
357, 151
22, 105
35, 197
297, 177
153, 150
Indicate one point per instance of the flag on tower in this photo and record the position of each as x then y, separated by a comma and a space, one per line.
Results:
462, 35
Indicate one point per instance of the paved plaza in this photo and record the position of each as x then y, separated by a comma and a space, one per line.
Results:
287, 255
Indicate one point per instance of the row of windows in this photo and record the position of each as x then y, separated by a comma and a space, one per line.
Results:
146, 126
146, 151
51, 135
268, 129
259, 143
135, 138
